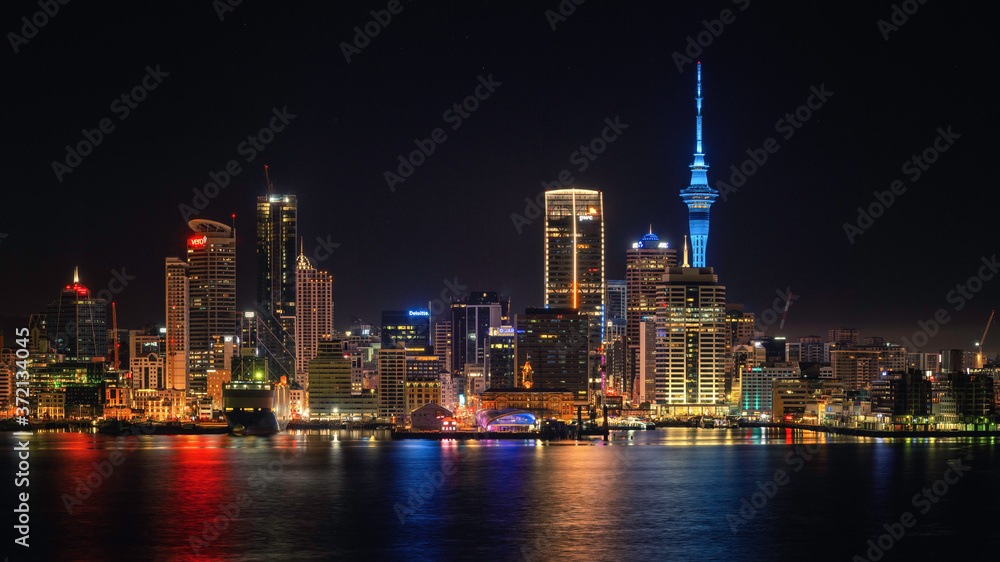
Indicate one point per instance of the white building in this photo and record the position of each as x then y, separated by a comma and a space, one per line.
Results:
313, 314
690, 341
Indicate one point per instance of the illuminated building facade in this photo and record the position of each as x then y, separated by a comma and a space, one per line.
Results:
313, 314
330, 393
645, 263
277, 233
409, 327
420, 391
211, 253
176, 344
442, 343
551, 403
145, 361
574, 262
76, 323
472, 317
553, 345
739, 331
699, 196
690, 340
391, 380
500, 359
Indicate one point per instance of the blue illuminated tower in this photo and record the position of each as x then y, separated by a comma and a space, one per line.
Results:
699, 196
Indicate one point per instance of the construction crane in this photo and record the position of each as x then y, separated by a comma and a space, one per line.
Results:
270, 186
982, 340
114, 329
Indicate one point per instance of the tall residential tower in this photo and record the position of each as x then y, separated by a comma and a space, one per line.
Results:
277, 217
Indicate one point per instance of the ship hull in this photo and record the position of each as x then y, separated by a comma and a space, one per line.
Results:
253, 408
253, 423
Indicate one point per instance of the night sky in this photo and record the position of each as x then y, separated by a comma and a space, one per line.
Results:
451, 219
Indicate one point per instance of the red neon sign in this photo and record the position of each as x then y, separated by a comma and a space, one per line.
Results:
198, 241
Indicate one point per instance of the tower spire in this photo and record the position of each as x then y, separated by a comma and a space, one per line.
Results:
698, 196
698, 99
685, 263
76, 274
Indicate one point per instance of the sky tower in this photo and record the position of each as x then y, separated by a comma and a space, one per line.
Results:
699, 196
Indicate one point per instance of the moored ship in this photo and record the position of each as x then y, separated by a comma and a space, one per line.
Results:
255, 408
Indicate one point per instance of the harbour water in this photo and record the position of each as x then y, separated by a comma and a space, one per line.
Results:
668, 494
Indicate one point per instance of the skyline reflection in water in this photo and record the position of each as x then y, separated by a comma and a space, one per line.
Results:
669, 494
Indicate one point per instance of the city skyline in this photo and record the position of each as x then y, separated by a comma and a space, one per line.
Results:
649, 161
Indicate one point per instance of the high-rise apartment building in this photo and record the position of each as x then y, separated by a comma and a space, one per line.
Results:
313, 314
176, 342
211, 254
844, 336
441, 342
690, 340
277, 234
645, 263
391, 383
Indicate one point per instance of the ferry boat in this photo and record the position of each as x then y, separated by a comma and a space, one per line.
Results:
255, 408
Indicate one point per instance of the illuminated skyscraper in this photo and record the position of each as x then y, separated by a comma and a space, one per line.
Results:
176, 348
211, 261
699, 196
409, 327
313, 314
276, 237
76, 323
471, 320
574, 261
551, 350
645, 263
690, 341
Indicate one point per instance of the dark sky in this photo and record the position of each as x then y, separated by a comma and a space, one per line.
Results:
118, 209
